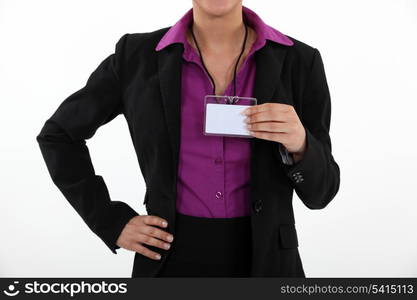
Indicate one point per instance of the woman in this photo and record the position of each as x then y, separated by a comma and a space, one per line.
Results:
217, 205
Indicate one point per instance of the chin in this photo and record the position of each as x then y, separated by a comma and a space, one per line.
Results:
217, 8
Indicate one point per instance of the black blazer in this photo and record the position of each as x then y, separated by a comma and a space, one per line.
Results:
144, 86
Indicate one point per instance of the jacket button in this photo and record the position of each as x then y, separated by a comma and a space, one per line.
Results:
298, 177
257, 206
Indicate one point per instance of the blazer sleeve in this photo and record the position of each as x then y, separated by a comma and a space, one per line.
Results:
316, 177
62, 142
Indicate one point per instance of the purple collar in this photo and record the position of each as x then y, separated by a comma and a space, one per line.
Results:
176, 34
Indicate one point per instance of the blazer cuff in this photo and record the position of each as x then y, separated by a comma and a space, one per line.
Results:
286, 157
123, 214
110, 220
310, 165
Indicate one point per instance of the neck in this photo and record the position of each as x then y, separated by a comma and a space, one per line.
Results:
217, 33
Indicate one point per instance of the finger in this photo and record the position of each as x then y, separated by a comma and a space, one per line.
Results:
155, 220
157, 233
149, 240
269, 127
265, 107
267, 116
270, 136
145, 251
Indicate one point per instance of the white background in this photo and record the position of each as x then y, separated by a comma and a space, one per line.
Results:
49, 48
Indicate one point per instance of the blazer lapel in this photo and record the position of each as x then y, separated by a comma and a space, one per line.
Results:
169, 72
269, 61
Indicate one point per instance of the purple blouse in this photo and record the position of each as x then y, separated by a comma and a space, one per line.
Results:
214, 171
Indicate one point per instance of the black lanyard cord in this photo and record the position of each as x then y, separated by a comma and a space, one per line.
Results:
237, 63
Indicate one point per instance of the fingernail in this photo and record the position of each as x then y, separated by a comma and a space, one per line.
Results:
245, 112
158, 256
170, 238
248, 126
167, 246
165, 224
246, 120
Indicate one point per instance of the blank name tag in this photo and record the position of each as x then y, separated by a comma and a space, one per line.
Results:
225, 119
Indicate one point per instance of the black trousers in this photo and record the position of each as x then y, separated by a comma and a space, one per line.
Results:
209, 247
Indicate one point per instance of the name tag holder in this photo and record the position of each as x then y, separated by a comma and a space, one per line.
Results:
223, 115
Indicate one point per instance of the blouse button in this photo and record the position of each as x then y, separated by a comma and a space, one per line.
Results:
218, 161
